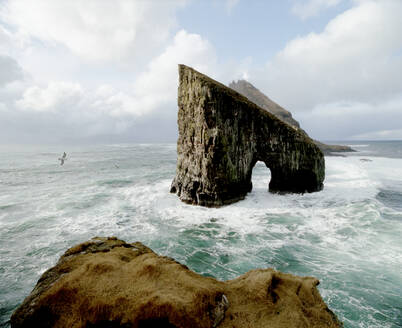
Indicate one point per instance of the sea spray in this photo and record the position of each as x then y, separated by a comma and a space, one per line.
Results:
348, 235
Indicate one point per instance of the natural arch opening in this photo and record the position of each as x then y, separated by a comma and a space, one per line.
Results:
261, 176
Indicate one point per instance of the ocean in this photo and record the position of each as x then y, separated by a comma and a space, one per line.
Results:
349, 235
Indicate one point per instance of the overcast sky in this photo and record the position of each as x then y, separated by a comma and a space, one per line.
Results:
106, 71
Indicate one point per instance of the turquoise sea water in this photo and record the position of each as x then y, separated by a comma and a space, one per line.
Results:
349, 235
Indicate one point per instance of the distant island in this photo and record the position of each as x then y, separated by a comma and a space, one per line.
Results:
256, 96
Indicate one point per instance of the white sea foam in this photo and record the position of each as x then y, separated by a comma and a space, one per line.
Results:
345, 235
359, 146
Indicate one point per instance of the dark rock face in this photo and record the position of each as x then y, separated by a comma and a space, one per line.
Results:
221, 137
256, 96
107, 282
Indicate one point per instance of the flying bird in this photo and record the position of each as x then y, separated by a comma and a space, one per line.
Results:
63, 158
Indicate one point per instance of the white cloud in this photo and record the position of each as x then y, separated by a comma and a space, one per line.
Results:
309, 8
5, 39
9, 70
356, 58
95, 29
65, 108
344, 108
395, 134
76, 102
351, 120
51, 98
346, 80
92, 67
158, 85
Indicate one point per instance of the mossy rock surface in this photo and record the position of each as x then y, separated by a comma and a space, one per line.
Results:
222, 135
106, 282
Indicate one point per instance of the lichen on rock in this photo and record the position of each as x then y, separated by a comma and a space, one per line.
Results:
107, 282
222, 135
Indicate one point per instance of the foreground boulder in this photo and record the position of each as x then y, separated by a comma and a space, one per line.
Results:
256, 96
106, 282
221, 137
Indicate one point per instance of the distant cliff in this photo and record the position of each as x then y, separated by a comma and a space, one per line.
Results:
257, 97
260, 99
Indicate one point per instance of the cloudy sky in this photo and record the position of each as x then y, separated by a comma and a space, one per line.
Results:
106, 71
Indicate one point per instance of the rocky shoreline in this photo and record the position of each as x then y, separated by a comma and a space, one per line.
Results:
106, 282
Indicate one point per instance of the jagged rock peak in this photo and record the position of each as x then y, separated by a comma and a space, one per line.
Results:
222, 135
256, 96
106, 282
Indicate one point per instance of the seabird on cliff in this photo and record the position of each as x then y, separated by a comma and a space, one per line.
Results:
63, 158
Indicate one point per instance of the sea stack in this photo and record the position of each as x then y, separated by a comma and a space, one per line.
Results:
106, 282
221, 137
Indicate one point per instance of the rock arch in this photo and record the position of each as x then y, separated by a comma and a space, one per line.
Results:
261, 173
221, 137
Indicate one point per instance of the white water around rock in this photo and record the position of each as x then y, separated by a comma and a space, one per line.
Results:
348, 235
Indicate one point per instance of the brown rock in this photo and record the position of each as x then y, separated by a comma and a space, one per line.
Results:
221, 137
106, 282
